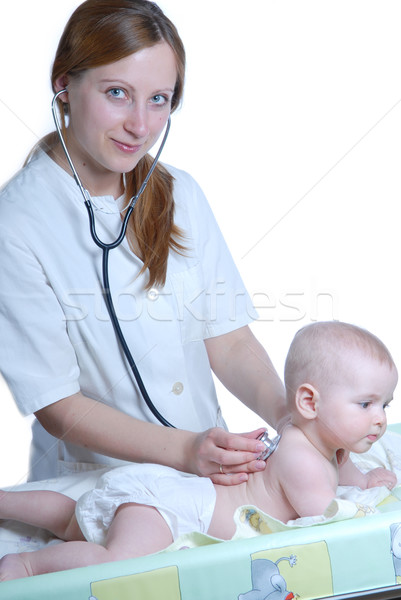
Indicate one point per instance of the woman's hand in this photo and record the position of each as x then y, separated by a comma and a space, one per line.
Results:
225, 457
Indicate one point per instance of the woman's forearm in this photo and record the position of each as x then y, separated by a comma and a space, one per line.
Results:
243, 366
85, 422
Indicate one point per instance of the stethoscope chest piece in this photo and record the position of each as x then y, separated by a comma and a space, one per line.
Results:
271, 445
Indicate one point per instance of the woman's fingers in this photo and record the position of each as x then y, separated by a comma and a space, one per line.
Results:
226, 457
236, 442
233, 475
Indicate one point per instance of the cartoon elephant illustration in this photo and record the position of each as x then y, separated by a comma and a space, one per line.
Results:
267, 583
395, 530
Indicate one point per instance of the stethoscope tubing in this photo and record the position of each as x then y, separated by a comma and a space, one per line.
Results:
106, 247
121, 338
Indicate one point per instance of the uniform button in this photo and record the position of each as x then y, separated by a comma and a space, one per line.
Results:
153, 294
177, 388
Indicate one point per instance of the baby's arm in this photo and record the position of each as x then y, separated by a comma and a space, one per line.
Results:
349, 474
307, 478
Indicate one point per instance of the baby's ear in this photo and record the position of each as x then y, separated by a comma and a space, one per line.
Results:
306, 401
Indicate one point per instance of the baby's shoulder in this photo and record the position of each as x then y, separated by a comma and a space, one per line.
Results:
299, 464
293, 435
295, 447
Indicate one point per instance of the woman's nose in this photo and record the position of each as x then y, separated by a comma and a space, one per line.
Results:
136, 121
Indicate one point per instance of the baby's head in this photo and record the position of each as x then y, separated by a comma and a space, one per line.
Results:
319, 353
338, 361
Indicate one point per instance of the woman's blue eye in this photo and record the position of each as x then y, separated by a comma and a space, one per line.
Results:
116, 93
159, 99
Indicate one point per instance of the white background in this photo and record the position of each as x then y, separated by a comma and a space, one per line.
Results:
291, 124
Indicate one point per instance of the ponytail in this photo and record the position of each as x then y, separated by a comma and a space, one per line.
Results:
151, 231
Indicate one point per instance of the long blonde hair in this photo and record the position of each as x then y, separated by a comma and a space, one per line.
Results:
100, 32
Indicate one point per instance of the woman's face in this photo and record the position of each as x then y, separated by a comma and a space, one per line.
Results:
116, 114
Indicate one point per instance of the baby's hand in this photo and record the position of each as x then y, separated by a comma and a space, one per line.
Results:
380, 477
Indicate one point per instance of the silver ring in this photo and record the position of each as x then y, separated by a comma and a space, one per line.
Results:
221, 469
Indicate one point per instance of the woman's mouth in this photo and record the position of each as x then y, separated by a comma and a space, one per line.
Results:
127, 148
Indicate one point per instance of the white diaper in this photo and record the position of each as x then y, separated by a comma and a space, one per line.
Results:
186, 502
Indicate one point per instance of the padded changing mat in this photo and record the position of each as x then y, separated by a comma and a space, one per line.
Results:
266, 560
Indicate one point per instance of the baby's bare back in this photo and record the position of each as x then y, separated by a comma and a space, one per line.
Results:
275, 491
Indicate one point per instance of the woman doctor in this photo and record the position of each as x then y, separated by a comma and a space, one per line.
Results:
179, 298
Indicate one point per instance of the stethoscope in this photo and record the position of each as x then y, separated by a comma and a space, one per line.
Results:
110, 246
106, 247
271, 445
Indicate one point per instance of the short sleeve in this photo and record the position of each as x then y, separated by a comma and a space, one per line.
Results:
42, 367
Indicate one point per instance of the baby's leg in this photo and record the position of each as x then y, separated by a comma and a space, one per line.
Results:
46, 509
136, 530
57, 557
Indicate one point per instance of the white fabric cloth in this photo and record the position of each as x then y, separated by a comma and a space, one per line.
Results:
56, 337
186, 502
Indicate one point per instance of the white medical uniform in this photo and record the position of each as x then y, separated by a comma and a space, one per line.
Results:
56, 335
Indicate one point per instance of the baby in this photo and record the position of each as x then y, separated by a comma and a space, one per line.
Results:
339, 380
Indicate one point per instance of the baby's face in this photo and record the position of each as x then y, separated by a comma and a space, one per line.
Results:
352, 411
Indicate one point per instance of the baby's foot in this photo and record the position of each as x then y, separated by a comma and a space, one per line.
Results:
12, 566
